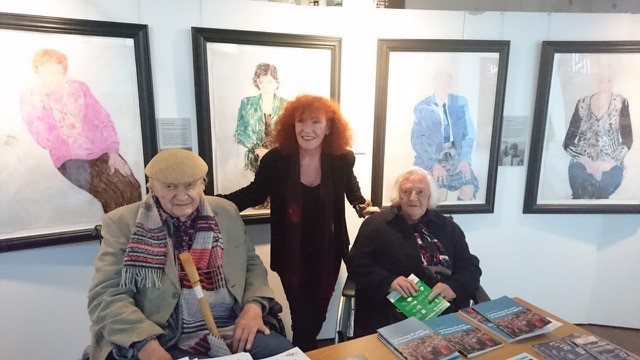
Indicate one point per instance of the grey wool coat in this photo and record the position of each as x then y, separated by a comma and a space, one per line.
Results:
122, 316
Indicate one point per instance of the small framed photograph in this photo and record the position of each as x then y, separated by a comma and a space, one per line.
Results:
77, 126
243, 80
582, 157
439, 107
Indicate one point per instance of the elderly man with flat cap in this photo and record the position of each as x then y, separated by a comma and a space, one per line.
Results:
141, 303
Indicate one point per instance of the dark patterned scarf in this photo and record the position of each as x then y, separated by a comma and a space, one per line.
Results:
431, 251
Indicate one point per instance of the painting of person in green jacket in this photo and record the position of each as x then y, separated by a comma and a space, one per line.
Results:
258, 114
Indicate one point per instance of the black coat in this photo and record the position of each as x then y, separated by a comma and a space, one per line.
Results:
271, 180
386, 248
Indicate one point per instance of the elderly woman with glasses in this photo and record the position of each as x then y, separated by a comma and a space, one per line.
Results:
410, 237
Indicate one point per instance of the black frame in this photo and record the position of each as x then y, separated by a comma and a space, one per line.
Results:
385, 47
202, 36
139, 34
540, 119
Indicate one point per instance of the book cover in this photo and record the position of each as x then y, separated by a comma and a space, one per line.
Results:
599, 348
468, 339
411, 339
560, 350
483, 321
514, 319
419, 306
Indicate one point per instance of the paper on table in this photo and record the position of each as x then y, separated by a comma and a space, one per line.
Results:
293, 354
238, 356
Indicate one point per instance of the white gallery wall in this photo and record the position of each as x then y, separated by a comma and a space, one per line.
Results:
584, 268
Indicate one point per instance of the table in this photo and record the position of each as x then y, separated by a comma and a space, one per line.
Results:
371, 348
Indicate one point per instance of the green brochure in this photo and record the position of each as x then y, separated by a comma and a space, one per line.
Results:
419, 305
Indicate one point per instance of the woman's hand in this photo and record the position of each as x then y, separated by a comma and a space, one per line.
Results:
404, 286
443, 290
592, 167
370, 210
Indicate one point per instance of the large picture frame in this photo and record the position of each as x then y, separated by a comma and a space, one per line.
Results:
415, 77
229, 66
582, 158
77, 126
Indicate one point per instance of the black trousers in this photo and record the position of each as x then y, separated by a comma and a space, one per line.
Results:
308, 313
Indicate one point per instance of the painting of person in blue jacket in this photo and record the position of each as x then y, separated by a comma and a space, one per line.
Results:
443, 137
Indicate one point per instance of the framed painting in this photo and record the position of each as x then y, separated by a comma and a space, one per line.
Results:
439, 107
77, 126
582, 157
243, 79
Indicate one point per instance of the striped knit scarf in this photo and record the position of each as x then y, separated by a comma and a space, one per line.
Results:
146, 254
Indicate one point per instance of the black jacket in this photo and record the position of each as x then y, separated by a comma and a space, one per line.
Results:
386, 248
271, 180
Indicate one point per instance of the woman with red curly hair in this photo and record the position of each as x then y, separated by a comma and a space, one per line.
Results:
307, 176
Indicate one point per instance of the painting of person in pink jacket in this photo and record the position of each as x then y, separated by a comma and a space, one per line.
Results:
66, 119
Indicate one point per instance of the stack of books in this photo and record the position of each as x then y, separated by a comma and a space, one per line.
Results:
509, 320
454, 335
411, 339
466, 338
582, 347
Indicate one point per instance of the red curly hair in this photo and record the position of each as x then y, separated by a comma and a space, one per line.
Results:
340, 135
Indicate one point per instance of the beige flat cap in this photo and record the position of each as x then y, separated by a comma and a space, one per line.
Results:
177, 166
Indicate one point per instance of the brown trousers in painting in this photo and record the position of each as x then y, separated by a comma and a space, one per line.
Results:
112, 190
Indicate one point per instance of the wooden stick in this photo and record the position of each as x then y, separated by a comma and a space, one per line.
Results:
203, 302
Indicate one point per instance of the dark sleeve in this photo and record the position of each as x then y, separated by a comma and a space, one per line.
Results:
361, 260
626, 132
465, 277
259, 189
352, 190
572, 133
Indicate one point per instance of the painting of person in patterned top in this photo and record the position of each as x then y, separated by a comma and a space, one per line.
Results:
66, 119
598, 139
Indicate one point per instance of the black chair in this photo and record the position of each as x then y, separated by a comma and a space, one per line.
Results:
347, 305
346, 311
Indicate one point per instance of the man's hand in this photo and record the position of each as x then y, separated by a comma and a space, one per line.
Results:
465, 169
404, 286
439, 173
249, 322
153, 351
